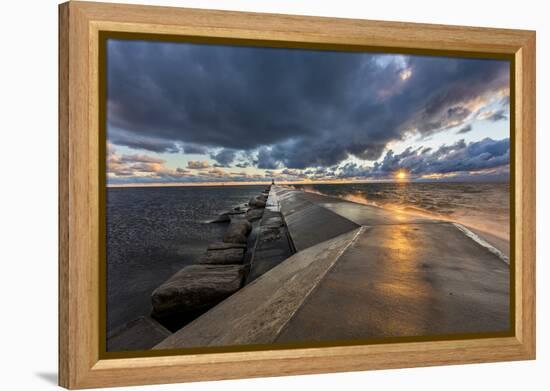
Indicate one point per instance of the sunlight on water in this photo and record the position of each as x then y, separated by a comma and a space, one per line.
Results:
482, 206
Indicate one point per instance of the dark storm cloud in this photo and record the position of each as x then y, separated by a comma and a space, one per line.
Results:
293, 108
265, 160
139, 141
194, 149
464, 129
224, 157
498, 115
458, 157
304, 153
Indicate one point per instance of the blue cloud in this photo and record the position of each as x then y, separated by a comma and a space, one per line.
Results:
458, 157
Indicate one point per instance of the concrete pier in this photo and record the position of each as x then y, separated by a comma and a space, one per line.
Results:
361, 272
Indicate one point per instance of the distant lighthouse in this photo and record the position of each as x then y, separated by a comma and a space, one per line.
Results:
272, 181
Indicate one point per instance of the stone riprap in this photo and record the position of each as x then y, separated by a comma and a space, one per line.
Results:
257, 202
219, 273
254, 214
228, 256
226, 217
225, 246
238, 231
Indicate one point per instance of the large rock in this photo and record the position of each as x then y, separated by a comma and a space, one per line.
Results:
223, 246
228, 256
223, 218
194, 290
241, 207
257, 202
254, 214
226, 217
237, 231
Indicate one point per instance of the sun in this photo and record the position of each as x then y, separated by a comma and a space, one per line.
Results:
401, 175
405, 74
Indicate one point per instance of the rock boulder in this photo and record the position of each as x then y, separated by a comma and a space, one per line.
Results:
257, 202
223, 218
226, 217
238, 231
254, 214
228, 256
224, 246
193, 290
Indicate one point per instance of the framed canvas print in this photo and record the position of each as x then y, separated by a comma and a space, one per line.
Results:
248, 195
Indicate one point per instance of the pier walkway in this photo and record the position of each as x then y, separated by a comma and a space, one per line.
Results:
361, 272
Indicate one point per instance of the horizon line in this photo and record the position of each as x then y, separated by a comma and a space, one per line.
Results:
263, 183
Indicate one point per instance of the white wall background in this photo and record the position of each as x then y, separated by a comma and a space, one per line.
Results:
28, 194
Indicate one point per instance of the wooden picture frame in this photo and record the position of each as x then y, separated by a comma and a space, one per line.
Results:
80, 25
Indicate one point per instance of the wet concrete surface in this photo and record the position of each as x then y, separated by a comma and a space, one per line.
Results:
371, 215
309, 223
406, 280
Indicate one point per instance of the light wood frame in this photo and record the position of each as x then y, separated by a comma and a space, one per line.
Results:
80, 23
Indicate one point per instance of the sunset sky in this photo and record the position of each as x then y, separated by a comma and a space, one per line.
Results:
181, 113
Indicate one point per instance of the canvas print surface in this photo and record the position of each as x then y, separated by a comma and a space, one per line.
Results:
279, 197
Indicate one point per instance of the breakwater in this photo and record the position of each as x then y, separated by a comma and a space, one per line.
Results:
360, 272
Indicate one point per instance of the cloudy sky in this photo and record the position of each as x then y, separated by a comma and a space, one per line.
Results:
190, 113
